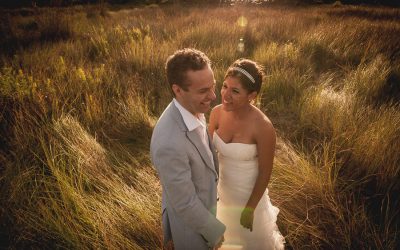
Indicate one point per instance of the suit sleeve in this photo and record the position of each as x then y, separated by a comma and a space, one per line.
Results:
175, 175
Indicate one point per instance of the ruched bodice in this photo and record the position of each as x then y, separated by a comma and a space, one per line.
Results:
239, 165
234, 150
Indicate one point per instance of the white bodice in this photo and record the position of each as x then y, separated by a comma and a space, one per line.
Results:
234, 150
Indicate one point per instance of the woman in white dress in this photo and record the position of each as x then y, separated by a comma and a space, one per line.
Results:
245, 140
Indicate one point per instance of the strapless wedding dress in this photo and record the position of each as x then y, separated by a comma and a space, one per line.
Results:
238, 168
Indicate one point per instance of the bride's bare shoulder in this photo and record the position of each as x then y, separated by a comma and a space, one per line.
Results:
217, 108
214, 118
216, 111
262, 122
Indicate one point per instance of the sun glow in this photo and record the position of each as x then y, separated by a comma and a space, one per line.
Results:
242, 21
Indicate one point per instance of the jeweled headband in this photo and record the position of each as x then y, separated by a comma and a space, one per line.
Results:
244, 72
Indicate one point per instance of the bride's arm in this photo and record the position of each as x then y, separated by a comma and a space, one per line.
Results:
266, 140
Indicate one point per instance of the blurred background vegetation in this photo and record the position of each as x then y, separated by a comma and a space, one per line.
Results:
81, 88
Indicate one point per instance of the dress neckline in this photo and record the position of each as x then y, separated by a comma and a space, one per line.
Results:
215, 133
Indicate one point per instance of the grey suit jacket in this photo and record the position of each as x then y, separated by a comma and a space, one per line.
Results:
189, 181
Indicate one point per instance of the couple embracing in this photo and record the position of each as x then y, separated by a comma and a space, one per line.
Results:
215, 178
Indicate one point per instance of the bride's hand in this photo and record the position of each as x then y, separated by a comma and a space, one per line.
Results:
246, 219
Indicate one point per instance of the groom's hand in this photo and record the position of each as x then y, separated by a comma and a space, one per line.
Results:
247, 217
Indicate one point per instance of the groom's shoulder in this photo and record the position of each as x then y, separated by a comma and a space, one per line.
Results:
167, 118
168, 136
167, 127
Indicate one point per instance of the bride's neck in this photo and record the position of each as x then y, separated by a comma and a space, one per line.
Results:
242, 113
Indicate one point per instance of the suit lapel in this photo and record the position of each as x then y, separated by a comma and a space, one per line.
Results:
195, 139
214, 153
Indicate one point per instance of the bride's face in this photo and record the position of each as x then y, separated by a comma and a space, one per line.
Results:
233, 95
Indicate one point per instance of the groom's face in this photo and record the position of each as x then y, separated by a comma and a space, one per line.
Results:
200, 91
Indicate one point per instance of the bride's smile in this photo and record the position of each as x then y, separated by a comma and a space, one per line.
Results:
234, 96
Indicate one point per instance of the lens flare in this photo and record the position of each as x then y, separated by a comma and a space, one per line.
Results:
240, 46
242, 21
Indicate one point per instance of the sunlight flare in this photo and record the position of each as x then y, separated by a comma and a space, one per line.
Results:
242, 21
240, 46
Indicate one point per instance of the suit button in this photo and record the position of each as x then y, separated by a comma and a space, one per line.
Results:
217, 198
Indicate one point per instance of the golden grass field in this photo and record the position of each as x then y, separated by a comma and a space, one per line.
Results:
82, 87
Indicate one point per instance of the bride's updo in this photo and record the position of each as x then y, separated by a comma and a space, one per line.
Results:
249, 73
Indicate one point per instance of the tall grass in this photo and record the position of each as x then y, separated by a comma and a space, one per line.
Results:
81, 88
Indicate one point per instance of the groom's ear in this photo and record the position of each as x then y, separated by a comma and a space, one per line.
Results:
176, 89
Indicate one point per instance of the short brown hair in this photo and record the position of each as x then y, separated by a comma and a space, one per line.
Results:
253, 68
182, 61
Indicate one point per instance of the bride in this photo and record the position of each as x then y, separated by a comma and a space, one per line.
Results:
245, 140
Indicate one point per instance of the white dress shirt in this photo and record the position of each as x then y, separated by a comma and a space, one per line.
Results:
195, 123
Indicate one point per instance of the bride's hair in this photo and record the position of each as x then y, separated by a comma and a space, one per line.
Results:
256, 72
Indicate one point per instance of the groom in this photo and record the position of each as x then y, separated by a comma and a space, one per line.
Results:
184, 157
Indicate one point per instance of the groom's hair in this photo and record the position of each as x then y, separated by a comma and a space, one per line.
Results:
181, 62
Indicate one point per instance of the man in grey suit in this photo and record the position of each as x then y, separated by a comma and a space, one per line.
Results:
185, 158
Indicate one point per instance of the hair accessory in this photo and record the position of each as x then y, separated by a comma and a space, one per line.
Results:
244, 72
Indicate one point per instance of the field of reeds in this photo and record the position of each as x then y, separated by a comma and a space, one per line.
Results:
82, 87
